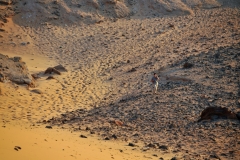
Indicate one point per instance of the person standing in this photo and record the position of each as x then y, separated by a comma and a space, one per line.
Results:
154, 81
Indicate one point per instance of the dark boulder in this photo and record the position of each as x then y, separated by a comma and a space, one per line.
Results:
216, 112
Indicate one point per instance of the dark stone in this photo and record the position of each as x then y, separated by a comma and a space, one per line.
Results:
82, 136
106, 138
49, 127
220, 112
171, 25
114, 136
136, 135
238, 115
37, 91
131, 144
163, 147
18, 147
35, 76
152, 145
60, 68
51, 70
214, 156
187, 65
17, 59
132, 70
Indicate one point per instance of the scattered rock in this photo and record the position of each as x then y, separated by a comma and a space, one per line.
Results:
216, 112
118, 123
17, 148
60, 68
2, 77
187, 65
163, 147
215, 156
35, 76
51, 70
82, 136
17, 59
114, 136
132, 70
106, 138
23, 43
155, 155
131, 144
55, 69
6, 2
49, 127
37, 91
171, 25
152, 145
238, 115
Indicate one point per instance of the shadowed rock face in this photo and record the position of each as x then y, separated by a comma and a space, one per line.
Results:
217, 112
15, 70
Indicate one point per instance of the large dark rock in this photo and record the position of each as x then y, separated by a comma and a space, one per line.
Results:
60, 68
216, 112
51, 70
57, 69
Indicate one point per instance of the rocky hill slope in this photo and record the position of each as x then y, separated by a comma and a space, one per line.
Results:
60, 12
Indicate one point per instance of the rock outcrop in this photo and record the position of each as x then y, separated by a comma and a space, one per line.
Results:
216, 112
57, 69
15, 70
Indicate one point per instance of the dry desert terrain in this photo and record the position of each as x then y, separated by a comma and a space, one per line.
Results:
101, 106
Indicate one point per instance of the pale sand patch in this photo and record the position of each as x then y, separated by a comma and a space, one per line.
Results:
40, 143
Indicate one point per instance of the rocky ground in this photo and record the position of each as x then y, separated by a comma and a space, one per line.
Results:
168, 120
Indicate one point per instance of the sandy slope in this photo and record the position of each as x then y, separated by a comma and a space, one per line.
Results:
109, 60
37, 143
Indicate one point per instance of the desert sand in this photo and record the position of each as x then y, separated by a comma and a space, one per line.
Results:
103, 107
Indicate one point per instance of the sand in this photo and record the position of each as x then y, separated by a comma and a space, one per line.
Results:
40, 143
110, 57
